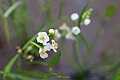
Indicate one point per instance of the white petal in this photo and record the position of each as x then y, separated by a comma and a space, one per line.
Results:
87, 21
76, 30
48, 46
43, 56
38, 39
70, 36
53, 42
74, 16
54, 50
46, 38
42, 33
40, 50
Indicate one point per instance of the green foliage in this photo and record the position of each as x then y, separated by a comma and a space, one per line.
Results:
9, 65
110, 11
54, 60
116, 75
82, 12
107, 68
84, 41
15, 76
86, 15
41, 75
5, 16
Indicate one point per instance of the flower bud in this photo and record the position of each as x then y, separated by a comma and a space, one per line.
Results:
51, 31
87, 21
74, 16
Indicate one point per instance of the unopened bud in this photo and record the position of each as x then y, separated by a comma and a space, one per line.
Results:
51, 31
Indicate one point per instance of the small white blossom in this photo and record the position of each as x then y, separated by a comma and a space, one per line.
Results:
42, 38
42, 52
54, 46
87, 21
64, 27
48, 46
51, 31
76, 30
70, 36
74, 16
57, 35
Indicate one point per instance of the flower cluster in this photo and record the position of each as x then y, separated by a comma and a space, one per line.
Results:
46, 45
70, 33
86, 17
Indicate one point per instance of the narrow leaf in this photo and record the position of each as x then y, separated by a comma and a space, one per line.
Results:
15, 76
41, 75
9, 65
54, 60
116, 75
85, 42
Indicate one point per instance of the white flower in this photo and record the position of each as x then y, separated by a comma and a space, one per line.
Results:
70, 36
42, 38
54, 46
51, 31
42, 52
64, 27
47, 46
74, 16
57, 35
87, 21
76, 30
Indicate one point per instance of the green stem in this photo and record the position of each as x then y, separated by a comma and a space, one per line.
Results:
9, 65
35, 44
85, 43
60, 10
12, 8
6, 28
31, 40
77, 47
69, 57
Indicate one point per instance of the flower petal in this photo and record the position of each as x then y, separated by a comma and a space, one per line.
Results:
43, 56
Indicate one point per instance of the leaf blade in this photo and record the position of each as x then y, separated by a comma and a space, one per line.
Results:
54, 60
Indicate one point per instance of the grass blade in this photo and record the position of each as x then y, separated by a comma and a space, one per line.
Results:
54, 60
9, 65
41, 75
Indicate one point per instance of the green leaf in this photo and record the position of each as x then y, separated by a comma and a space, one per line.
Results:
9, 65
54, 60
12, 8
85, 42
38, 62
41, 75
117, 75
15, 76
110, 11
110, 67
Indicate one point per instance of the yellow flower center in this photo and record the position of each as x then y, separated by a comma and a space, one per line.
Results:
64, 25
42, 38
56, 45
55, 34
43, 51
